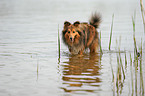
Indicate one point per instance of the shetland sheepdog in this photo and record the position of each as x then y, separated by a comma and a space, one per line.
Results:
80, 36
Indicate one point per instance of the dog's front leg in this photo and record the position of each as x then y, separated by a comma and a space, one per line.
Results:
81, 51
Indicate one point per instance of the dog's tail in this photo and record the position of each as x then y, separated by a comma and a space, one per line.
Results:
95, 20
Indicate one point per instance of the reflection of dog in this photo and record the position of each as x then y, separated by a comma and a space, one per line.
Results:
79, 36
82, 74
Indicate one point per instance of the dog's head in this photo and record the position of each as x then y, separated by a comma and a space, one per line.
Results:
71, 32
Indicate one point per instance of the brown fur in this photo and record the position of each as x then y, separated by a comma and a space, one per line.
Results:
79, 36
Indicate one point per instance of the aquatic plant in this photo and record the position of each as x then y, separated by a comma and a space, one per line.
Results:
111, 32
143, 13
58, 43
100, 44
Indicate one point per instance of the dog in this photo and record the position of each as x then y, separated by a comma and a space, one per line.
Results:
80, 36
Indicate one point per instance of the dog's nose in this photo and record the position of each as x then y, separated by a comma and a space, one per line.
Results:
71, 38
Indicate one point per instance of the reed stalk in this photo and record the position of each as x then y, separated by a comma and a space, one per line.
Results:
136, 77
58, 43
134, 39
143, 13
37, 66
141, 75
114, 87
118, 66
37, 69
125, 60
135, 55
100, 44
131, 75
135, 47
133, 23
112, 73
122, 66
111, 32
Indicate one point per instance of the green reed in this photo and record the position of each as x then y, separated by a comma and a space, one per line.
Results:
136, 79
111, 32
100, 44
112, 73
125, 61
141, 75
120, 75
135, 63
134, 39
137, 67
119, 79
131, 70
113, 80
121, 65
37, 66
143, 13
133, 23
58, 42
137, 83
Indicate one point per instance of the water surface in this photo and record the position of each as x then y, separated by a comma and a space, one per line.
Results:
29, 64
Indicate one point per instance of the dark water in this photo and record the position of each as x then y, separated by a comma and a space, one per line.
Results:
29, 64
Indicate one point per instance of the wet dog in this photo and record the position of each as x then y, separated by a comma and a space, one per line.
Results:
80, 36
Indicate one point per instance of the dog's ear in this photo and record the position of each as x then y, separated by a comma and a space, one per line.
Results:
66, 24
76, 23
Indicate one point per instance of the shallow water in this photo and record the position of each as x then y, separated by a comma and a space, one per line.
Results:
29, 64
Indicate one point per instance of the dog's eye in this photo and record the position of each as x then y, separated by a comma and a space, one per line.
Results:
73, 31
68, 31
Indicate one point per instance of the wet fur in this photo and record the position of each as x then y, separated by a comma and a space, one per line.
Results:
80, 36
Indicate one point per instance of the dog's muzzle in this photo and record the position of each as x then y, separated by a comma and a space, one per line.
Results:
71, 39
